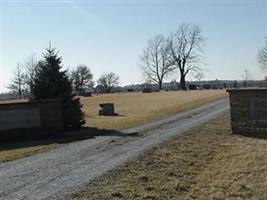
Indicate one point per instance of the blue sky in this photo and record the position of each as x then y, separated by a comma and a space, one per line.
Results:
110, 35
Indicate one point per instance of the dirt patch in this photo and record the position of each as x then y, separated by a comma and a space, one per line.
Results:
207, 162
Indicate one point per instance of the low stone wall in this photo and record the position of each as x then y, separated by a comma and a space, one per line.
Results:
30, 119
248, 110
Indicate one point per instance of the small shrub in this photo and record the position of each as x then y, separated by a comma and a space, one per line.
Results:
73, 114
206, 86
130, 90
192, 87
147, 90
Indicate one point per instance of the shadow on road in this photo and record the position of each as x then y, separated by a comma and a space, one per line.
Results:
67, 137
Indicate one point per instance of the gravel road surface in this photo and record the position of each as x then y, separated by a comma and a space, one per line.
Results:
56, 173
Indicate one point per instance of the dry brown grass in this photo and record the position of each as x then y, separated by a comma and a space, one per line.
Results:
206, 163
134, 109
20, 150
6, 101
138, 108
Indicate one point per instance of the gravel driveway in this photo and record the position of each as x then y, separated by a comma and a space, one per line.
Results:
53, 174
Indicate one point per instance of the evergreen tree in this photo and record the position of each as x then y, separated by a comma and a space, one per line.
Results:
51, 82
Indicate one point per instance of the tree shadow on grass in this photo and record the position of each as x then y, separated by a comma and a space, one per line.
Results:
252, 135
17, 141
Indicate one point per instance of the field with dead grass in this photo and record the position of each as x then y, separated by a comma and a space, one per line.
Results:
133, 109
138, 108
6, 101
208, 162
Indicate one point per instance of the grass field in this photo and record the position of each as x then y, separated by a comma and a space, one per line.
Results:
133, 109
6, 101
138, 108
207, 162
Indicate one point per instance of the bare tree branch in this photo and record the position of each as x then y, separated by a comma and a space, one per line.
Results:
18, 82
31, 65
81, 79
262, 56
108, 81
156, 62
186, 49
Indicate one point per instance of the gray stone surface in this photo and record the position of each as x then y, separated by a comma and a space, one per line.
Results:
20, 118
258, 108
248, 110
107, 109
55, 174
34, 118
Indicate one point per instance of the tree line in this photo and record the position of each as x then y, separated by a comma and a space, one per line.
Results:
81, 78
46, 79
178, 53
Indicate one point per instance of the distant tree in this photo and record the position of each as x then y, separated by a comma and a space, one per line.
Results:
82, 78
52, 82
246, 76
235, 85
199, 76
31, 65
262, 56
186, 48
156, 62
18, 82
108, 81
175, 85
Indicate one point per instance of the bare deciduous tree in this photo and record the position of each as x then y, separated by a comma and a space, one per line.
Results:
156, 62
108, 81
31, 65
82, 79
199, 76
246, 76
186, 48
262, 56
18, 82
